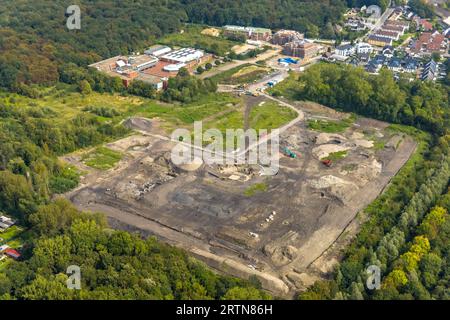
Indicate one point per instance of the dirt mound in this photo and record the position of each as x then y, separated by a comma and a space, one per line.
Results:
137, 123
335, 187
325, 150
280, 255
324, 138
328, 181
193, 165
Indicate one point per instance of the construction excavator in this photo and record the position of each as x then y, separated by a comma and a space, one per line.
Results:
289, 153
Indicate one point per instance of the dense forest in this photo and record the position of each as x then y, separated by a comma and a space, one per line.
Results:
114, 264
424, 105
407, 229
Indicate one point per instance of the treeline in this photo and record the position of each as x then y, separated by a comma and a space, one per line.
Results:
424, 105
30, 140
414, 256
316, 18
183, 88
422, 8
113, 264
407, 231
186, 88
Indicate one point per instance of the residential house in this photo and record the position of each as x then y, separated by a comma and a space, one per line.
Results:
379, 41
393, 28
363, 48
388, 34
395, 65
7, 220
410, 65
301, 49
388, 51
430, 71
356, 25
252, 33
423, 24
285, 36
403, 24
430, 42
12, 253
378, 61
345, 50
372, 68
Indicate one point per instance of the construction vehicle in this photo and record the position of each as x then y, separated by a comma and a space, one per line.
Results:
289, 153
327, 162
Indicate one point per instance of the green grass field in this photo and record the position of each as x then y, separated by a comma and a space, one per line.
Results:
328, 126
242, 74
10, 234
207, 108
270, 115
192, 37
102, 158
66, 103
335, 156
256, 188
13, 237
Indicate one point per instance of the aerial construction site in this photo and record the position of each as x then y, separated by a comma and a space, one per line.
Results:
284, 229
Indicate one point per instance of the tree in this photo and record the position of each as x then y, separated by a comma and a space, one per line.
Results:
200, 70
183, 72
396, 279
84, 87
239, 293
430, 266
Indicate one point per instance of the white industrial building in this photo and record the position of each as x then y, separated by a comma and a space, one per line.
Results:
184, 55
157, 50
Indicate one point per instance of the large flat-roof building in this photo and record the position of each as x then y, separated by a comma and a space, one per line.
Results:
184, 58
157, 50
394, 35
379, 41
155, 66
284, 36
301, 49
184, 55
258, 34
128, 68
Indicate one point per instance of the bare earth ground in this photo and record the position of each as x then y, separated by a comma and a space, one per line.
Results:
287, 235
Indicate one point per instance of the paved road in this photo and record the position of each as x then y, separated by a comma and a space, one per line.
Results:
386, 14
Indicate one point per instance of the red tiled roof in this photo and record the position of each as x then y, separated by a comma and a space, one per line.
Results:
426, 24
430, 42
158, 71
12, 253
